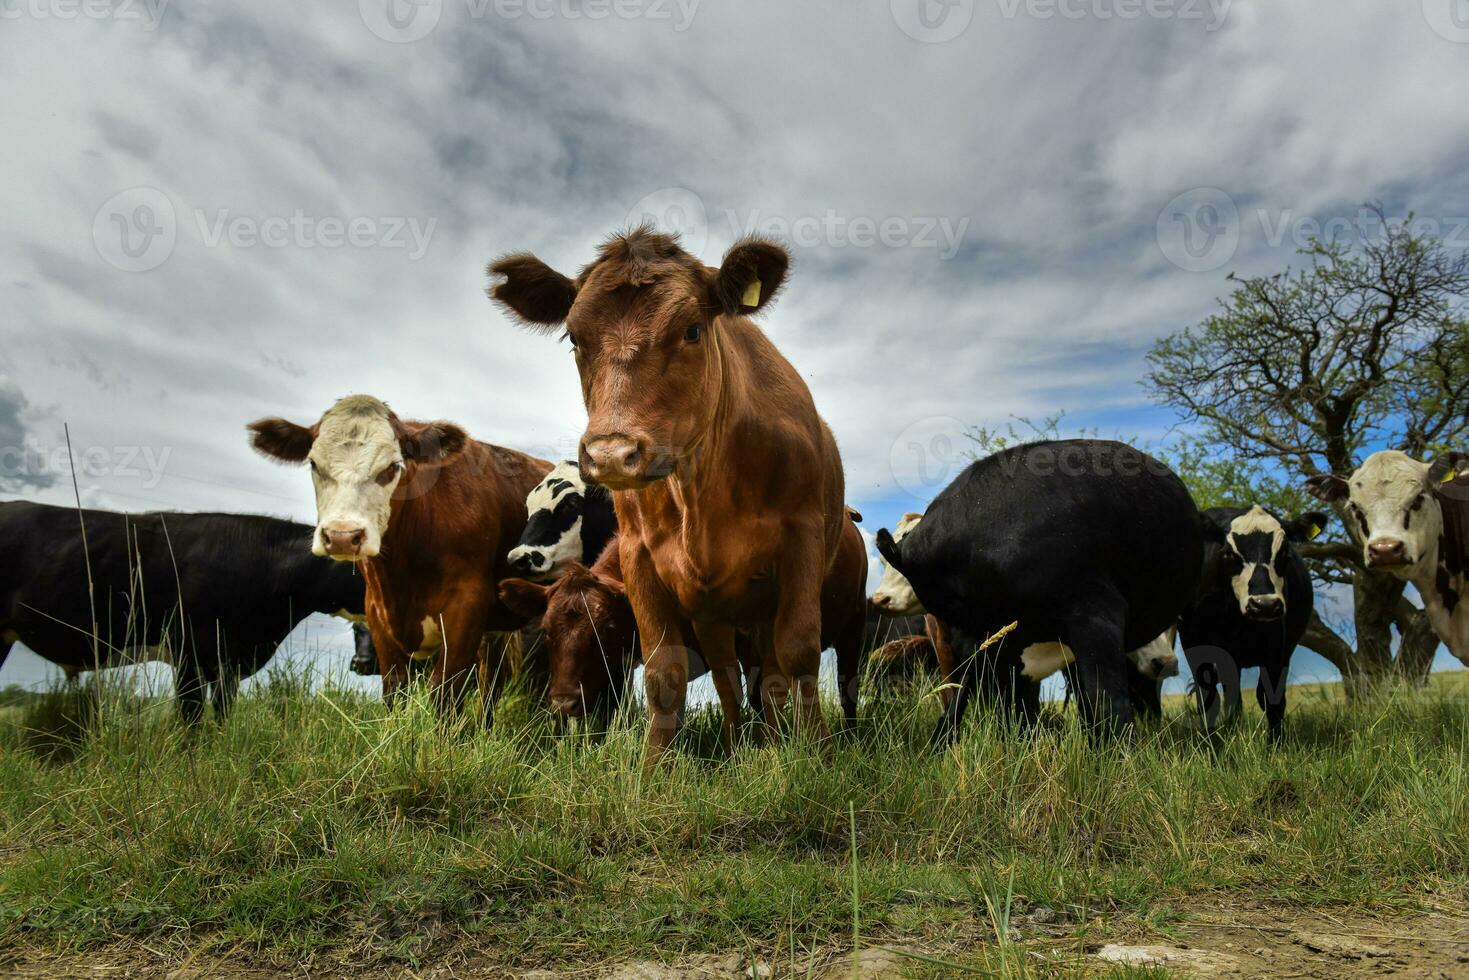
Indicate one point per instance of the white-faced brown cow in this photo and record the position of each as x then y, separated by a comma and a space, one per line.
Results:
727, 483
1413, 521
428, 514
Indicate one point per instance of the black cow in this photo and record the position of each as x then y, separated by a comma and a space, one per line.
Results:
215, 594
1254, 603
568, 521
1084, 542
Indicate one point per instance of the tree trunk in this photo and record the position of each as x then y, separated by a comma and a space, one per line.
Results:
1375, 597
1322, 639
1417, 645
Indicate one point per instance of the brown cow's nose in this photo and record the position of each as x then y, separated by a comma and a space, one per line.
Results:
570, 707
1388, 551
344, 543
882, 601
612, 459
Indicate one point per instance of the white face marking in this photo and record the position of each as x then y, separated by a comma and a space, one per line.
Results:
564, 480
1040, 660
1383, 491
1254, 556
894, 596
352, 460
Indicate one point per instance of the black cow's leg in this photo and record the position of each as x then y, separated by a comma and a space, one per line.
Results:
189, 684
223, 690
1270, 695
966, 678
1103, 696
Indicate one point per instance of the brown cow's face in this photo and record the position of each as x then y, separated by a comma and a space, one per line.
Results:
589, 633
644, 321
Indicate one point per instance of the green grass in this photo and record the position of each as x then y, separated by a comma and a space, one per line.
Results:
319, 824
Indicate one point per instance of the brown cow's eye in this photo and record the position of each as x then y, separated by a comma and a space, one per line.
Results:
388, 473
692, 333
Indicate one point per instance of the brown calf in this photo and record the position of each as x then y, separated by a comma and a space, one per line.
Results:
728, 485
428, 514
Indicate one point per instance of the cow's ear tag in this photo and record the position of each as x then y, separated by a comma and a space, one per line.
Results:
1451, 475
1315, 530
752, 294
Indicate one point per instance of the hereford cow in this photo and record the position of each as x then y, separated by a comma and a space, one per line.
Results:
428, 515
569, 521
213, 594
1413, 522
727, 484
1049, 535
1149, 665
592, 635
1253, 606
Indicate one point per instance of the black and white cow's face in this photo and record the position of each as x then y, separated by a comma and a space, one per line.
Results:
1254, 556
553, 534
1390, 501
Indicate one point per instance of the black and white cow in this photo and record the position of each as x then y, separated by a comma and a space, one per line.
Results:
1149, 665
1413, 521
1254, 603
214, 594
570, 521
1084, 543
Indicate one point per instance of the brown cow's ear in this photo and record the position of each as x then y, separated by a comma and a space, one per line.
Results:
431, 443
531, 291
752, 273
1327, 487
1447, 468
524, 598
281, 440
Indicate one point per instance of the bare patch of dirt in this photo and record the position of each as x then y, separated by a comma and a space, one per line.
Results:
1218, 937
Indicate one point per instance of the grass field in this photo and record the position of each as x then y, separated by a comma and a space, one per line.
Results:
314, 828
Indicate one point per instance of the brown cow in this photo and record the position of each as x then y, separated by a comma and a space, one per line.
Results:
727, 484
593, 642
428, 514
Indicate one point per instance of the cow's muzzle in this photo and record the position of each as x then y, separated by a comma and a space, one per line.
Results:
1265, 608
621, 461
344, 543
1386, 553
527, 562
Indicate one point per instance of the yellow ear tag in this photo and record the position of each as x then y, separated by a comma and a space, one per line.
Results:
1450, 476
1315, 530
752, 293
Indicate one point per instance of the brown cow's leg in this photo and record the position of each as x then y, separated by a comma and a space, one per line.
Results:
798, 626
665, 657
944, 651
463, 629
718, 646
392, 659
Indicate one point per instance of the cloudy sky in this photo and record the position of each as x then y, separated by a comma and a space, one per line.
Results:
214, 212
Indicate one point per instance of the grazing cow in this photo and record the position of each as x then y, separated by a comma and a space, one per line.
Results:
213, 594
428, 514
1413, 520
593, 639
1253, 606
1087, 543
727, 484
1149, 665
570, 521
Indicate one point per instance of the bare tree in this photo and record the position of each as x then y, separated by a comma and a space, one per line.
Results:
1307, 371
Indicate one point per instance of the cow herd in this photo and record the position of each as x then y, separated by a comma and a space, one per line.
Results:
704, 528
